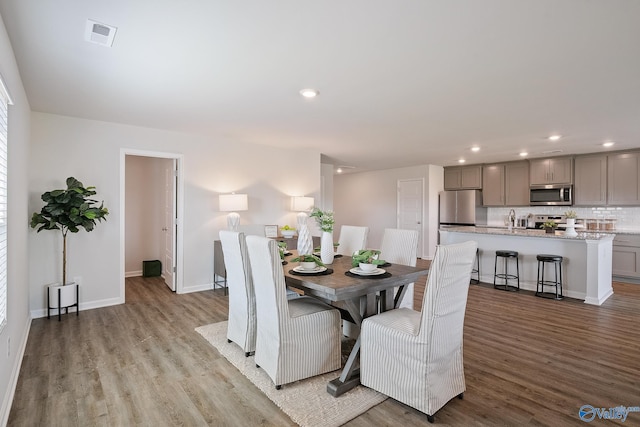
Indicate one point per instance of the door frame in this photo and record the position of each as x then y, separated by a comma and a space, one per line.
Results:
421, 239
179, 255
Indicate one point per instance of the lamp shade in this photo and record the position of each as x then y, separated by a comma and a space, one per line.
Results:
301, 204
233, 202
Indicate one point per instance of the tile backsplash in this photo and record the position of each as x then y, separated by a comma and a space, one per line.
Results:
626, 217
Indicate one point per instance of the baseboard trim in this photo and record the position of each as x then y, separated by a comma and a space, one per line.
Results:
13, 380
136, 273
36, 314
632, 280
197, 288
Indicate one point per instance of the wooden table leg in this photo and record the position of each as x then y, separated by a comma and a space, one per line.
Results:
350, 376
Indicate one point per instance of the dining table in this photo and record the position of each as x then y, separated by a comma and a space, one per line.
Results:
360, 296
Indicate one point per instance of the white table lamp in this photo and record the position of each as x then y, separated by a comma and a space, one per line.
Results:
303, 205
232, 203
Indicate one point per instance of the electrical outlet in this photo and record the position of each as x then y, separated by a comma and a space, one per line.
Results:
78, 280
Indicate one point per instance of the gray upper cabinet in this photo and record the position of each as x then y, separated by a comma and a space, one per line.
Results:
590, 182
623, 176
493, 185
505, 184
551, 171
463, 177
516, 184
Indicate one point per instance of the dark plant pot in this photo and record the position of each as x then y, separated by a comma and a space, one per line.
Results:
550, 230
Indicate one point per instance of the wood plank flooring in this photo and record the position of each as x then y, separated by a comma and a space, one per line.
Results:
528, 361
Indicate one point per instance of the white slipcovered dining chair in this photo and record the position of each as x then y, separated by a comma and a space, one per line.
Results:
352, 238
297, 338
241, 328
416, 357
401, 247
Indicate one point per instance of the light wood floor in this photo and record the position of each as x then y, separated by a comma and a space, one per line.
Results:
528, 361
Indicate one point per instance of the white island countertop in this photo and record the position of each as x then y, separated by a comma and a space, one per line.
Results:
587, 264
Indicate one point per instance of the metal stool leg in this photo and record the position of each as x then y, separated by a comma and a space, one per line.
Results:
560, 265
556, 282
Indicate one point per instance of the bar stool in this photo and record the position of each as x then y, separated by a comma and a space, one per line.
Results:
506, 255
541, 283
477, 269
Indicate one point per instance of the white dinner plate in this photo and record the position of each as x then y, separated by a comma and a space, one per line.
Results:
318, 269
360, 272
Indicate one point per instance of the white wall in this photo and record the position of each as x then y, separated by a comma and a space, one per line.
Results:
326, 202
370, 199
211, 166
144, 211
18, 320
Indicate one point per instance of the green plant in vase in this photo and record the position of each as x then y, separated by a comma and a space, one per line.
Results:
571, 214
308, 258
282, 248
366, 256
549, 226
325, 221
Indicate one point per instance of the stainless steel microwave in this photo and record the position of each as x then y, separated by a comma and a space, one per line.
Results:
551, 195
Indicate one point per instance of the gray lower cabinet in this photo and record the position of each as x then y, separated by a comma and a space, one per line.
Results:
505, 184
623, 184
590, 182
626, 256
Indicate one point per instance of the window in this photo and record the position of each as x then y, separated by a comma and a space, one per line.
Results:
4, 104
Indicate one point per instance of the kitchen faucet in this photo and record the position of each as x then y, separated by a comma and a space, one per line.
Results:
512, 218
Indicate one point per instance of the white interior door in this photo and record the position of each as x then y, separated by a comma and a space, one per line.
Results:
170, 224
410, 206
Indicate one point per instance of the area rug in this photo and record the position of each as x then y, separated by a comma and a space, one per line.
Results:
306, 402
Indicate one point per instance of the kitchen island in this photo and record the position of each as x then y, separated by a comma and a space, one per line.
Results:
587, 257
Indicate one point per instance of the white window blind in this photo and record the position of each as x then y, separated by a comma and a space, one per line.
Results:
4, 104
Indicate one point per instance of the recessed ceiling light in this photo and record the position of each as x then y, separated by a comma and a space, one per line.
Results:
342, 168
608, 144
461, 161
554, 137
475, 149
309, 93
524, 154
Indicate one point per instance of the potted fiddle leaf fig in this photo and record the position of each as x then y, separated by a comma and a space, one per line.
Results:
67, 211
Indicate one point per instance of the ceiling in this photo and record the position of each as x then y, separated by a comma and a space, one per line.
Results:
401, 83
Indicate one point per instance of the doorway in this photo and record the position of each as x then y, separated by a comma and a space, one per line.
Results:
410, 207
151, 211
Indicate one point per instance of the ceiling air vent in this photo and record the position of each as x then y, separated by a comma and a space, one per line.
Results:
552, 152
98, 33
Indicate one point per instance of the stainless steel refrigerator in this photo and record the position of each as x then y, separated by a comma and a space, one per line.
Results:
462, 207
